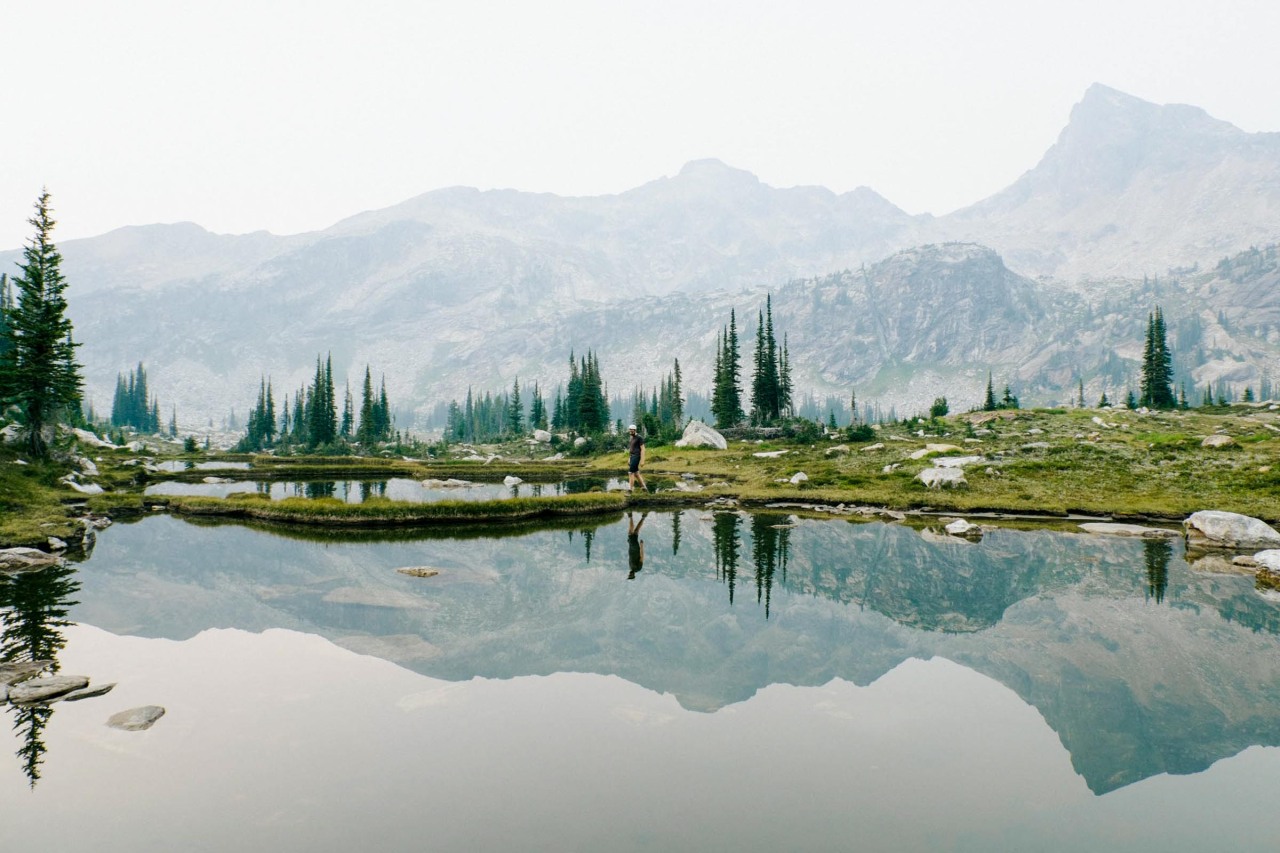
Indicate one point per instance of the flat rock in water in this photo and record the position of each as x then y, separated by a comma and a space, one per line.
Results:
418, 571
27, 560
510, 480
962, 527
49, 687
136, 719
1106, 528
87, 693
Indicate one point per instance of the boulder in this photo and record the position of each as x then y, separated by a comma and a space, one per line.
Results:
43, 689
136, 719
510, 480
87, 466
1217, 441
1268, 560
686, 486
839, 448
27, 560
956, 461
936, 478
1106, 528
56, 544
579, 441
930, 449
542, 435
136, 446
12, 434
961, 527
86, 437
798, 478
15, 671
879, 445
1230, 530
770, 454
698, 434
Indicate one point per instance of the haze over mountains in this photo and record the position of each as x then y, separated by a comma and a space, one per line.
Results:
459, 287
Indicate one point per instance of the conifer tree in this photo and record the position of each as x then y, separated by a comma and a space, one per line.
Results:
39, 372
989, 403
515, 410
348, 413
1155, 386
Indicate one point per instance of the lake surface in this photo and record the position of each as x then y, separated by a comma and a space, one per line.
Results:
755, 683
395, 488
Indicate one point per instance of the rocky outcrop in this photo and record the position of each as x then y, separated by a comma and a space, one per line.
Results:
15, 560
698, 434
1229, 530
542, 435
44, 689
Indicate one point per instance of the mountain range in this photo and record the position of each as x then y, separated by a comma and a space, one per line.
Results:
1046, 284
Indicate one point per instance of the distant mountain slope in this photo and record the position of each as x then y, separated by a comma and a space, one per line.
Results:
1131, 188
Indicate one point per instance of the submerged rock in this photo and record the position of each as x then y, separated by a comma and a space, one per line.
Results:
418, 571
87, 693
136, 719
1106, 528
48, 687
1217, 529
698, 434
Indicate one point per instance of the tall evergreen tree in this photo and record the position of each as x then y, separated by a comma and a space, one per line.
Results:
989, 404
515, 410
6, 308
39, 372
1155, 388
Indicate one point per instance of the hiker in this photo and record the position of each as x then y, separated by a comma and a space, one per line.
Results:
636, 448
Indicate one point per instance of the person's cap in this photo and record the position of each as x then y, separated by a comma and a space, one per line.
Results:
632, 428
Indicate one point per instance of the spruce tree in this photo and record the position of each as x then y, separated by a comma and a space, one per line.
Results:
39, 372
1155, 385
989, 403
515, 410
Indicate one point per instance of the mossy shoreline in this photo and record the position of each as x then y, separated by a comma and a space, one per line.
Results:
1037, 465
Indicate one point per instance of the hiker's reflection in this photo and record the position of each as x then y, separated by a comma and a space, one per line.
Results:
635, 545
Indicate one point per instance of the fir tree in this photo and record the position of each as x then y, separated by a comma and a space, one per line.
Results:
989, 403
39, 372
515, 410
1155, 386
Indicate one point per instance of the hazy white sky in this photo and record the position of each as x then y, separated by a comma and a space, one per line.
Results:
288, 116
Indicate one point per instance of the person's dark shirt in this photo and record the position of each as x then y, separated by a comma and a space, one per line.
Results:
636, 443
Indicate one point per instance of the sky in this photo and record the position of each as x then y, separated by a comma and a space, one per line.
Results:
290, 116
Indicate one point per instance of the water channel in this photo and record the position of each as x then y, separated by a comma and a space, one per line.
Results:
752, 682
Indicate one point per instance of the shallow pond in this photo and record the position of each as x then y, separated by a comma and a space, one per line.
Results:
187, 465
721, 682
396, 489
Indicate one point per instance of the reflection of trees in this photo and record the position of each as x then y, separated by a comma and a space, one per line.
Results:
675, 533
770, 544
724, 530
324, 489
33, 610
1157, 553
368, 489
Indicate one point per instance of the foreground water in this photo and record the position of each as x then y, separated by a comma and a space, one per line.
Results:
753, 684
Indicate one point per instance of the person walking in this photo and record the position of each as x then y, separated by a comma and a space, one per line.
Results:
636, 448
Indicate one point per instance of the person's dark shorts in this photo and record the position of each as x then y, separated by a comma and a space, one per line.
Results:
635, 465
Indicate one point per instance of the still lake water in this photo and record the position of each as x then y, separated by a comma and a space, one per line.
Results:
756, 684
395, 488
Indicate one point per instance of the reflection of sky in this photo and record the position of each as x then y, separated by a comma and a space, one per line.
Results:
284, 741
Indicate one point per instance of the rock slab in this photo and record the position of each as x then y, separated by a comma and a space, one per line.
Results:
43, 689
936, 478
87, 693
1218, 529
1106, 528
27, 560
419, 571
136, 719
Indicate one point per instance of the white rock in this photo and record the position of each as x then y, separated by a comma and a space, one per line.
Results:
839, 448
956, 461
936, 478
889, 469
510, 480
87, 466
879, 445
579, 441
960, 527
770, 454
1036, 445
12, 434
1217, 529
216, 480
542, 435
685, 486
86, 437
87, 693
798, 478
1218, 440
136, 446
1269, 560
698, 434
57, 544
85, 488
136, 719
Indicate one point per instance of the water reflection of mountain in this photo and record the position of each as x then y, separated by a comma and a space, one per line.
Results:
1139, 664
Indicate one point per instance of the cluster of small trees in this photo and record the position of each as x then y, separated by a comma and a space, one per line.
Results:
493, 417
1006, 400
771, 387
661, 415
39, 373
313, 422
132, 405
584, 408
